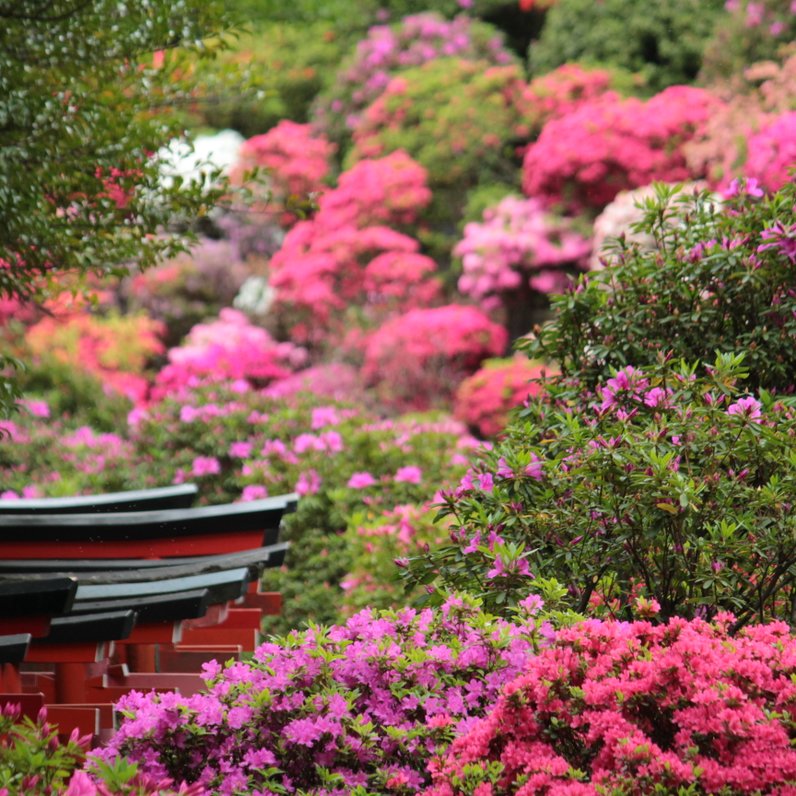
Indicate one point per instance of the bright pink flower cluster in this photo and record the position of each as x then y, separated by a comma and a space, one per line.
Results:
518, 243
348, 254
296, 161
772, 152
418, 359
330, 709
619, 707
484, 400
227, 349
583, 159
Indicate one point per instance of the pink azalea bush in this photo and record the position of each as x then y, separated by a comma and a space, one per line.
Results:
350, 257
583, 159
772, 153
417, 359
613, 707
354, 708
227, 349
296, 162
484, 400
517, 249
385, 50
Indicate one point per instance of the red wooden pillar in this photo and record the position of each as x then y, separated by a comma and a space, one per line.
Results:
70, 683
142, 657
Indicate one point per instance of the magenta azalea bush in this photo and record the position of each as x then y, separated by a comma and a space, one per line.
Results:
230, 348
416, 360
772, 153
583, 159
352, 709
618, 708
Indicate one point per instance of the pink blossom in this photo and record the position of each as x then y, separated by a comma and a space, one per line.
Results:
309, 483
240, 450
748, 407
205, 465
409, 475
254, 492
361, 480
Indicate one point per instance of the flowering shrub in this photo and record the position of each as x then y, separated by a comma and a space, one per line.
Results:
114, 348
620, 708
182, 292
662, 43
562, 91
385, 50
751, 31
661, 485
455, 117
416, 360
34, 761
484, 400
716, 280
224, 350
348, 260
358, 708
585, 158
237, 443
517, 250
296, 162
335, 381
772, 153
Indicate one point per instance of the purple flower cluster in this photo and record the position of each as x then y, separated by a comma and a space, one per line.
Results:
325, 711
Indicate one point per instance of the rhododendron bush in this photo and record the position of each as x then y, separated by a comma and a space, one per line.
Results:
584, 158
519, 249
416, 360
636, 708
349, 257
385, 50
114, 348
227, 349
295, 162
484, 400
717, 278
455, 117
358, 708
656, 484
191, 288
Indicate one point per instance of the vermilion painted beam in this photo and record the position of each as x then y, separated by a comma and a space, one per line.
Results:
87, 652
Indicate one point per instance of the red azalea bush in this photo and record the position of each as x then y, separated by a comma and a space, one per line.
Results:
416, 360
296, 161
484, 400
227, 349
385, 50
612, 707
585, 158
772, 152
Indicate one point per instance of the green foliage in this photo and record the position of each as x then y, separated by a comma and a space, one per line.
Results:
661, 487
714, 281
458, 119
287, 65
81, 190
31, 758
661, 41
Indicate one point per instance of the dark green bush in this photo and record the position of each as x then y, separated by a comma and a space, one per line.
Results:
718, 279
661, 41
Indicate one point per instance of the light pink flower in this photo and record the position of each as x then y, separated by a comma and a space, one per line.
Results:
361, 480
409, 475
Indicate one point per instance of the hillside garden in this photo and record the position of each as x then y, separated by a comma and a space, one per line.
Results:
506, 292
